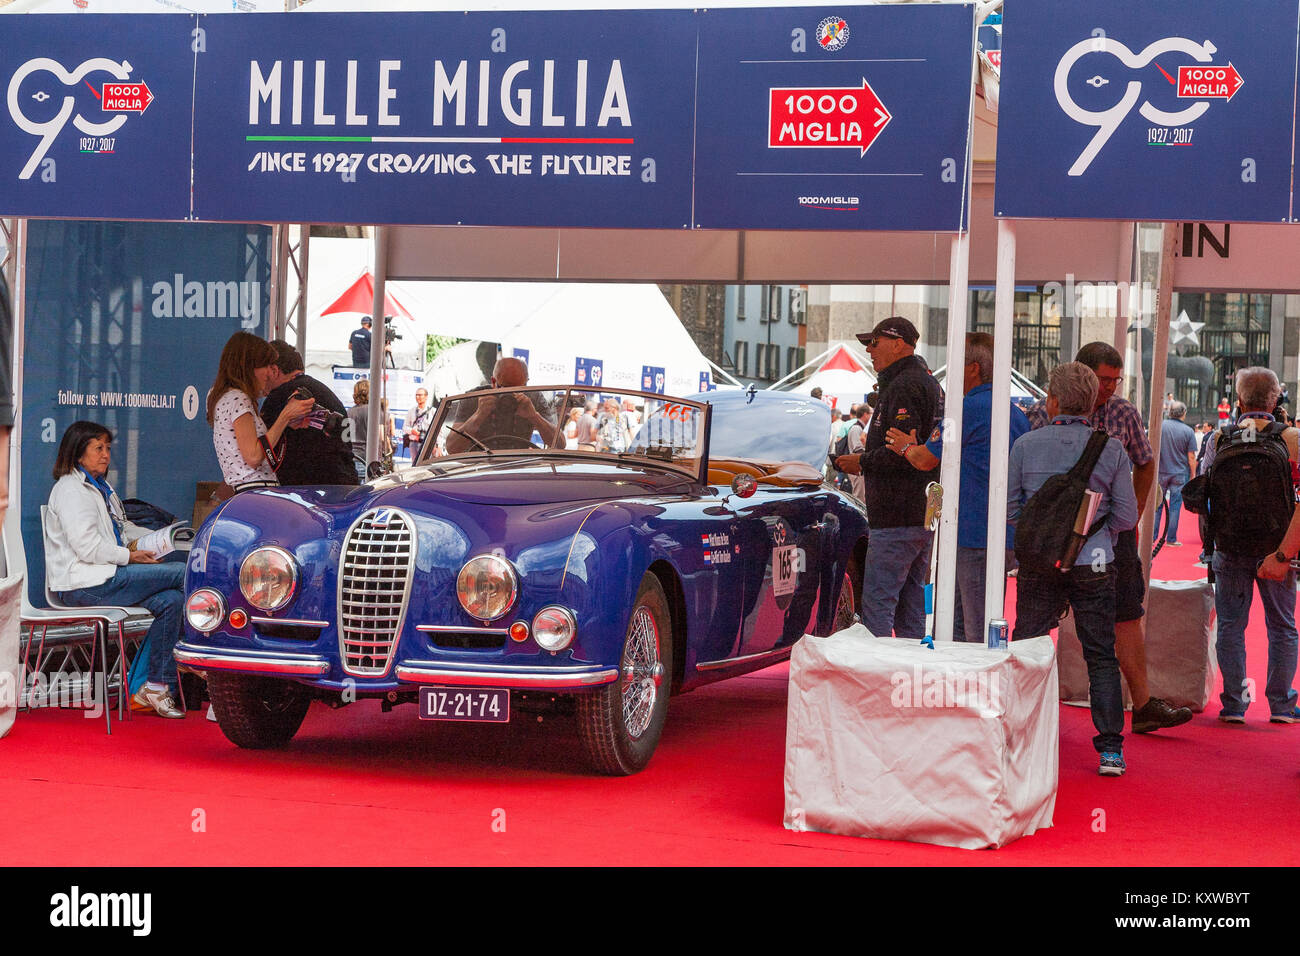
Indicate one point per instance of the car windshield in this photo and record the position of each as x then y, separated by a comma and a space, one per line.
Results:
570, 420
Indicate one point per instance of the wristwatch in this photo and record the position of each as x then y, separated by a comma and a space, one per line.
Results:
1281, 557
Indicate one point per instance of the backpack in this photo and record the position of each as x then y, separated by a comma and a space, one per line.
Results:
1046, 540
842, 443
1247, 494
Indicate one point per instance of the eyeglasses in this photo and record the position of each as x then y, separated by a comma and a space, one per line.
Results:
872, 342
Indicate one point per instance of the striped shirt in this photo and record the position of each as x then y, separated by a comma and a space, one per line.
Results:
1121, 420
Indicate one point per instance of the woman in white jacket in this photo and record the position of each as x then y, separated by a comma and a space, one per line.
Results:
91, 557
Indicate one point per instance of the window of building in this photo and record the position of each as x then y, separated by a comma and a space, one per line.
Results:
742, 357
798, 310
1235, 336
794, 359
1036, 336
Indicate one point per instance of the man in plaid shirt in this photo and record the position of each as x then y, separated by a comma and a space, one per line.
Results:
1122, 421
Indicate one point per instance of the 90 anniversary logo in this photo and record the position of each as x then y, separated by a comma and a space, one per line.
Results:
1167, 109
39, 110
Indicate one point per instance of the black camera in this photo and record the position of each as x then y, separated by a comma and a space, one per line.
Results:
390, 334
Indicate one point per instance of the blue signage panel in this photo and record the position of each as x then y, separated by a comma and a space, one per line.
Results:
834, 118
98, 112
525, 118
125, 324
1161, 110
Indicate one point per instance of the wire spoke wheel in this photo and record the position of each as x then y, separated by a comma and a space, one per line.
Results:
620, 723
640, 656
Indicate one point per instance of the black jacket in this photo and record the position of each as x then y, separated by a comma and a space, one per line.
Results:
910, 400
311, 457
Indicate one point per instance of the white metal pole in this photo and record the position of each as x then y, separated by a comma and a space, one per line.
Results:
18, 302
377, 346
1124, 288
950, 466
1004, 313
1159, 359
279, 278
304, 248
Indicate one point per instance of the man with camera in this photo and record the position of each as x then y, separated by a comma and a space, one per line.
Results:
501, 421
316, 450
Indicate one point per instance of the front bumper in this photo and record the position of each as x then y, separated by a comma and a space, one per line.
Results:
252, 662
305, 667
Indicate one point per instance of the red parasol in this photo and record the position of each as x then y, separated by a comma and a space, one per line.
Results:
842, 359
360, 297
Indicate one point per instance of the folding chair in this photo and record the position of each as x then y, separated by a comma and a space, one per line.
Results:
106, 616
100, 619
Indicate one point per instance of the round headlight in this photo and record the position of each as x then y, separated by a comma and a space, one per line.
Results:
554, 628
268, 577
487, 586
204, 610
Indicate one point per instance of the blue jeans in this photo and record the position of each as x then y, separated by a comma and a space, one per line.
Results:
968, 603
893, 581
1234, 580
1173, 487
1041, 600
158, 587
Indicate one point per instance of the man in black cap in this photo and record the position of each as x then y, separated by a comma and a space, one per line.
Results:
898, 549
359, 343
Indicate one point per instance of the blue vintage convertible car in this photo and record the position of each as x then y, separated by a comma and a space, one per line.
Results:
508, 574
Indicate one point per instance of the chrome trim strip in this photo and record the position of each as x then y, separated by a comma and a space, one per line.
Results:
376, 603
301, 622
430, 672
299, 665
456, 629
780, 654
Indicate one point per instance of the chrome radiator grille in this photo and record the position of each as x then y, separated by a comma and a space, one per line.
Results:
374, 584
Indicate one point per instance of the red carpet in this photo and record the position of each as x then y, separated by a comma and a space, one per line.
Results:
358, 787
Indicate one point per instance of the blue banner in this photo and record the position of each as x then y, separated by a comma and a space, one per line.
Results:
105, 303
834, 118
1161, 110
99, 111
588, 372
529, 119
839, 118
652, 378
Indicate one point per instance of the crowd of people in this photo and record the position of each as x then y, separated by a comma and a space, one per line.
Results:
888, 446
903, 441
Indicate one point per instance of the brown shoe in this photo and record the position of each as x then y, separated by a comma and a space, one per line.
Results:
1157, 713
159, 701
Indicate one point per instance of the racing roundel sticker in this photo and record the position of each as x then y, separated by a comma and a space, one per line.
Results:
832, 34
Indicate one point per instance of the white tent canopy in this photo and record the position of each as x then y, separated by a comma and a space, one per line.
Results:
843, 378
1022, 389
624, 326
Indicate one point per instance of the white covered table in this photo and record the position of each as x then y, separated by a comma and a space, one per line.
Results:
1181, 629
886, 738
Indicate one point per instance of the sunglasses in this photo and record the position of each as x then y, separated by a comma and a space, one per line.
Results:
872, 342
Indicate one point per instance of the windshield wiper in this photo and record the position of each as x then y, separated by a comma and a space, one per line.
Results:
469, 438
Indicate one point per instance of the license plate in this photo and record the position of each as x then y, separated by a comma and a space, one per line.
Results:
488, 704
